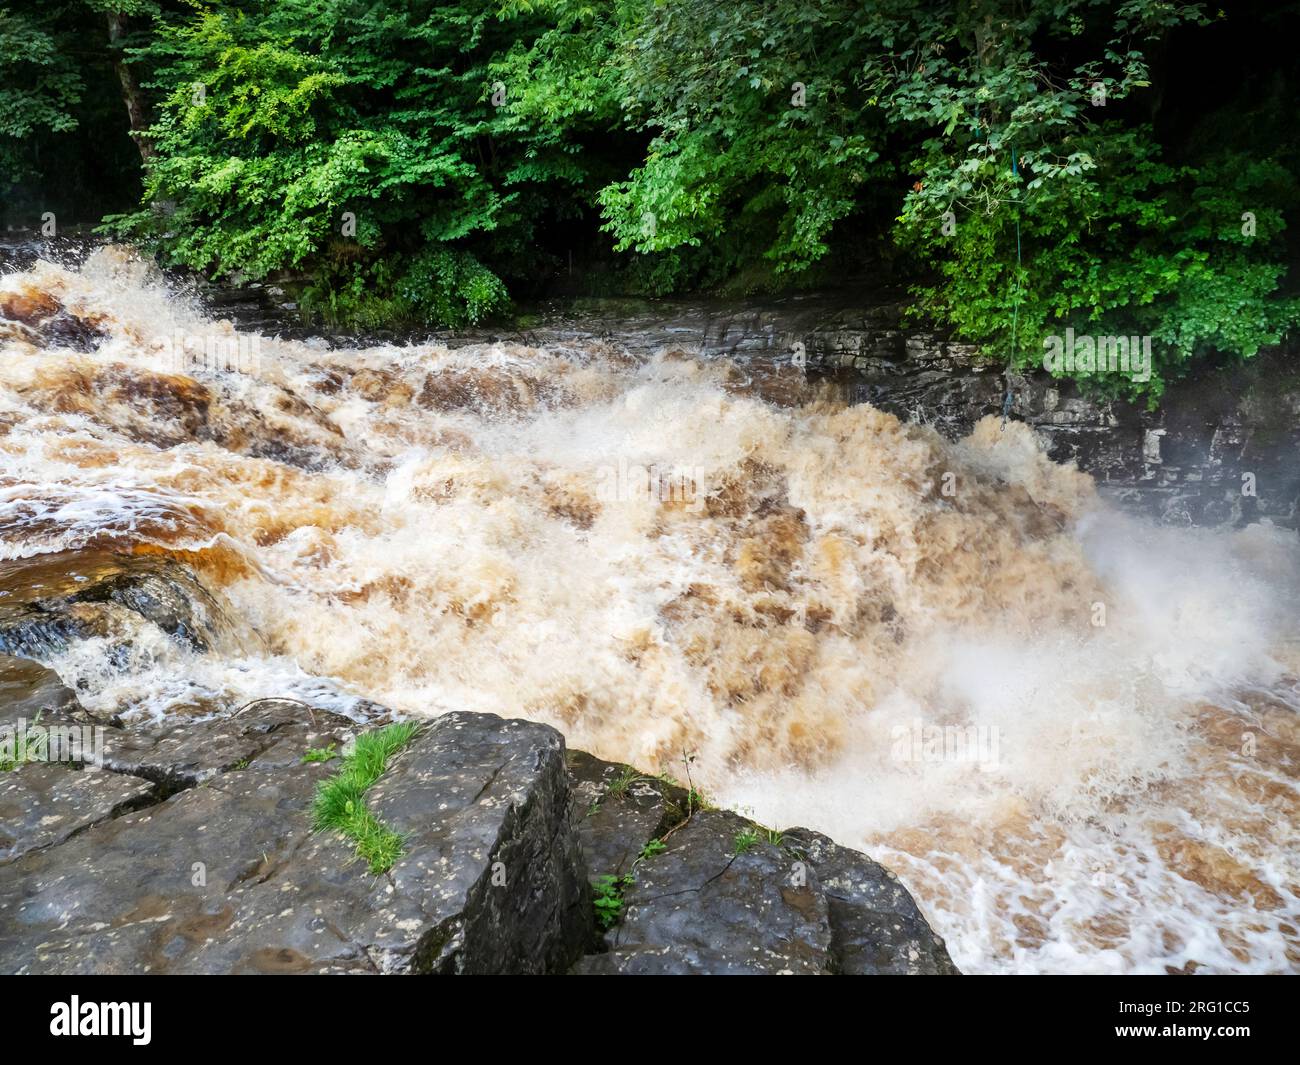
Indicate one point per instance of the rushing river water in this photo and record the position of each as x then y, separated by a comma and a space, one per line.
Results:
1071, 733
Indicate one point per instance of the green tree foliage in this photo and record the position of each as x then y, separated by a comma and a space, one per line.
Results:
418, 158
360, 139
40, 84
762, 137
1007, 102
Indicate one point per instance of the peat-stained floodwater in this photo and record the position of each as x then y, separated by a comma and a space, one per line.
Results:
1071, 733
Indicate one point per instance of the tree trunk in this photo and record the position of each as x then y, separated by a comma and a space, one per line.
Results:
137, 108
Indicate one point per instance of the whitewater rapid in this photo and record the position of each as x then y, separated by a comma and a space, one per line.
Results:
1071, 733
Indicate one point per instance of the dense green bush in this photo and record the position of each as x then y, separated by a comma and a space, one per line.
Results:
440, 286
64, 147
40, 84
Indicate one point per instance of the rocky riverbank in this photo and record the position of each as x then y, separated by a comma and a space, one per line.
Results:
189, 849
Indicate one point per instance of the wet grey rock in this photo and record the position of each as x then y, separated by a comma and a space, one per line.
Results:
149, 891
271, 733
876, 927
492, 859
191, 851
56, 790
699, 907
492, 879
805, 905
29, 690
617, 811
313, 907
42, 804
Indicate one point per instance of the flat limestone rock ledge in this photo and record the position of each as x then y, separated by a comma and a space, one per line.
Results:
191, 851
274, 733
45, 804
226, 876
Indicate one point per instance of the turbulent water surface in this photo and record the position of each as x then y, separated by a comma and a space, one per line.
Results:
1071, 733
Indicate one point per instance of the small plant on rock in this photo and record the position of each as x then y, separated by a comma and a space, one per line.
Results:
608, 899
619, 785
22, 749
746, 840
655, 846
321, 754
609, 888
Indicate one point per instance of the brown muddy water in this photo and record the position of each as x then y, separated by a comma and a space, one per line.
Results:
1072, 733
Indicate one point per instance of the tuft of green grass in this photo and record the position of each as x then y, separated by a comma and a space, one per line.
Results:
746, 840
340, 801
619, 785
697, 800
25, 750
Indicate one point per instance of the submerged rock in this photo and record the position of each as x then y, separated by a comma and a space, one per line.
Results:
52, 601
41, 319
